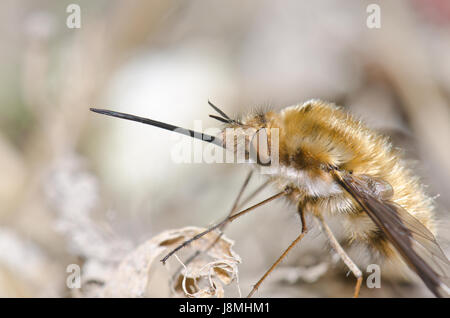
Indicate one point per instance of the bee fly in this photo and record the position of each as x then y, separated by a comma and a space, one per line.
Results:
332, 166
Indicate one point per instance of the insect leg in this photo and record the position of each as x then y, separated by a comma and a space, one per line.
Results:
233, 209
278, 261
227, 220
237, 207
345, 258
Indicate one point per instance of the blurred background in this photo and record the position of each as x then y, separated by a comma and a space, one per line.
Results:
80, 188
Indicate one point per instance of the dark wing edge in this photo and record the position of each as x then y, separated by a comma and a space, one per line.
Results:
414, 242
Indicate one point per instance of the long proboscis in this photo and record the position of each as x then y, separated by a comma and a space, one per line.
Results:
147, 121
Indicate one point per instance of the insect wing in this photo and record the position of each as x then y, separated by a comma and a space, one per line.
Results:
416, 244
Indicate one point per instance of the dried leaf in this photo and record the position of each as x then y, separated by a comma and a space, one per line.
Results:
200, 278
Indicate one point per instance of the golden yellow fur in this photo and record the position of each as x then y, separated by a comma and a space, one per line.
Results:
318, 134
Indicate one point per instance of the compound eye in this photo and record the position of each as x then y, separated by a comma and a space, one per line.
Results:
259, 147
